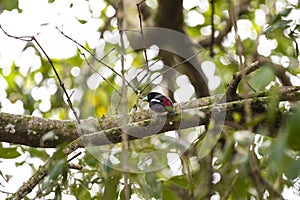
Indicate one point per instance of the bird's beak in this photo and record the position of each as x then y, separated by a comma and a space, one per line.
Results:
145, 99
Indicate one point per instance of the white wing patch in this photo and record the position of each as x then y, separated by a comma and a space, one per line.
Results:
155, 100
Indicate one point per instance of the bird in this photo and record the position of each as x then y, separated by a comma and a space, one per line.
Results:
159, 103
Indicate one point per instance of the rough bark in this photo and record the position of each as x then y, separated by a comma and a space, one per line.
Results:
36, 132
170, 16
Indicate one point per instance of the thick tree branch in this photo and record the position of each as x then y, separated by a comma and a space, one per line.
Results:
31, 131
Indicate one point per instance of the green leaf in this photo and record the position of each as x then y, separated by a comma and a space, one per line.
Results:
285, 12
10, 152
278, 23
107, 166
57, 169
293, 131
153, 186
39, 153
58, 193
292, 170
273, 106
168, 195
111, 188
180, 180
82, 21
10, 4
90, 160
80, 191
261, 78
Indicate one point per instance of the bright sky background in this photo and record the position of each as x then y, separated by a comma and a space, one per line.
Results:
39, 18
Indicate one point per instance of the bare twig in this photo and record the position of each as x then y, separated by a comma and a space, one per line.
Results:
124, 101
33, 39
210, 171
99, 60
212, 3
105, 79
186, 164
240, 50
228, 192
232, 87
1, 191
74, 166
75, 156
143, 42
171, 68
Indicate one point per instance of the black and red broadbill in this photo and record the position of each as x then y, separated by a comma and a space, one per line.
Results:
159, 103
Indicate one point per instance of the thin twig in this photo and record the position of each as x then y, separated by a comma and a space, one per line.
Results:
124, 101
143, 42
99, 60
242, 64
228, 192
1, 191
237, 77
105, 79
33, 39
210, 171
171, 68
74, 166
42, 172
211, 47
75, 156
186, 165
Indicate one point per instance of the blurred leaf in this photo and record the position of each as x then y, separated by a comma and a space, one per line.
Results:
273, 106
10, 4
241, 186
261, 78
293, 131
168, 195
80, 191
285, 11
111, 188
10, 152
40, 153
82, 21
107, 166
292, 171
180, 180
90, 160
58, 169
58, 193
153, 185
278, 23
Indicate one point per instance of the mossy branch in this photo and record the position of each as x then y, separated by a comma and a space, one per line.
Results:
39, 132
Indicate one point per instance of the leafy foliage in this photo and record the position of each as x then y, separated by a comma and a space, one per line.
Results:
251, 159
